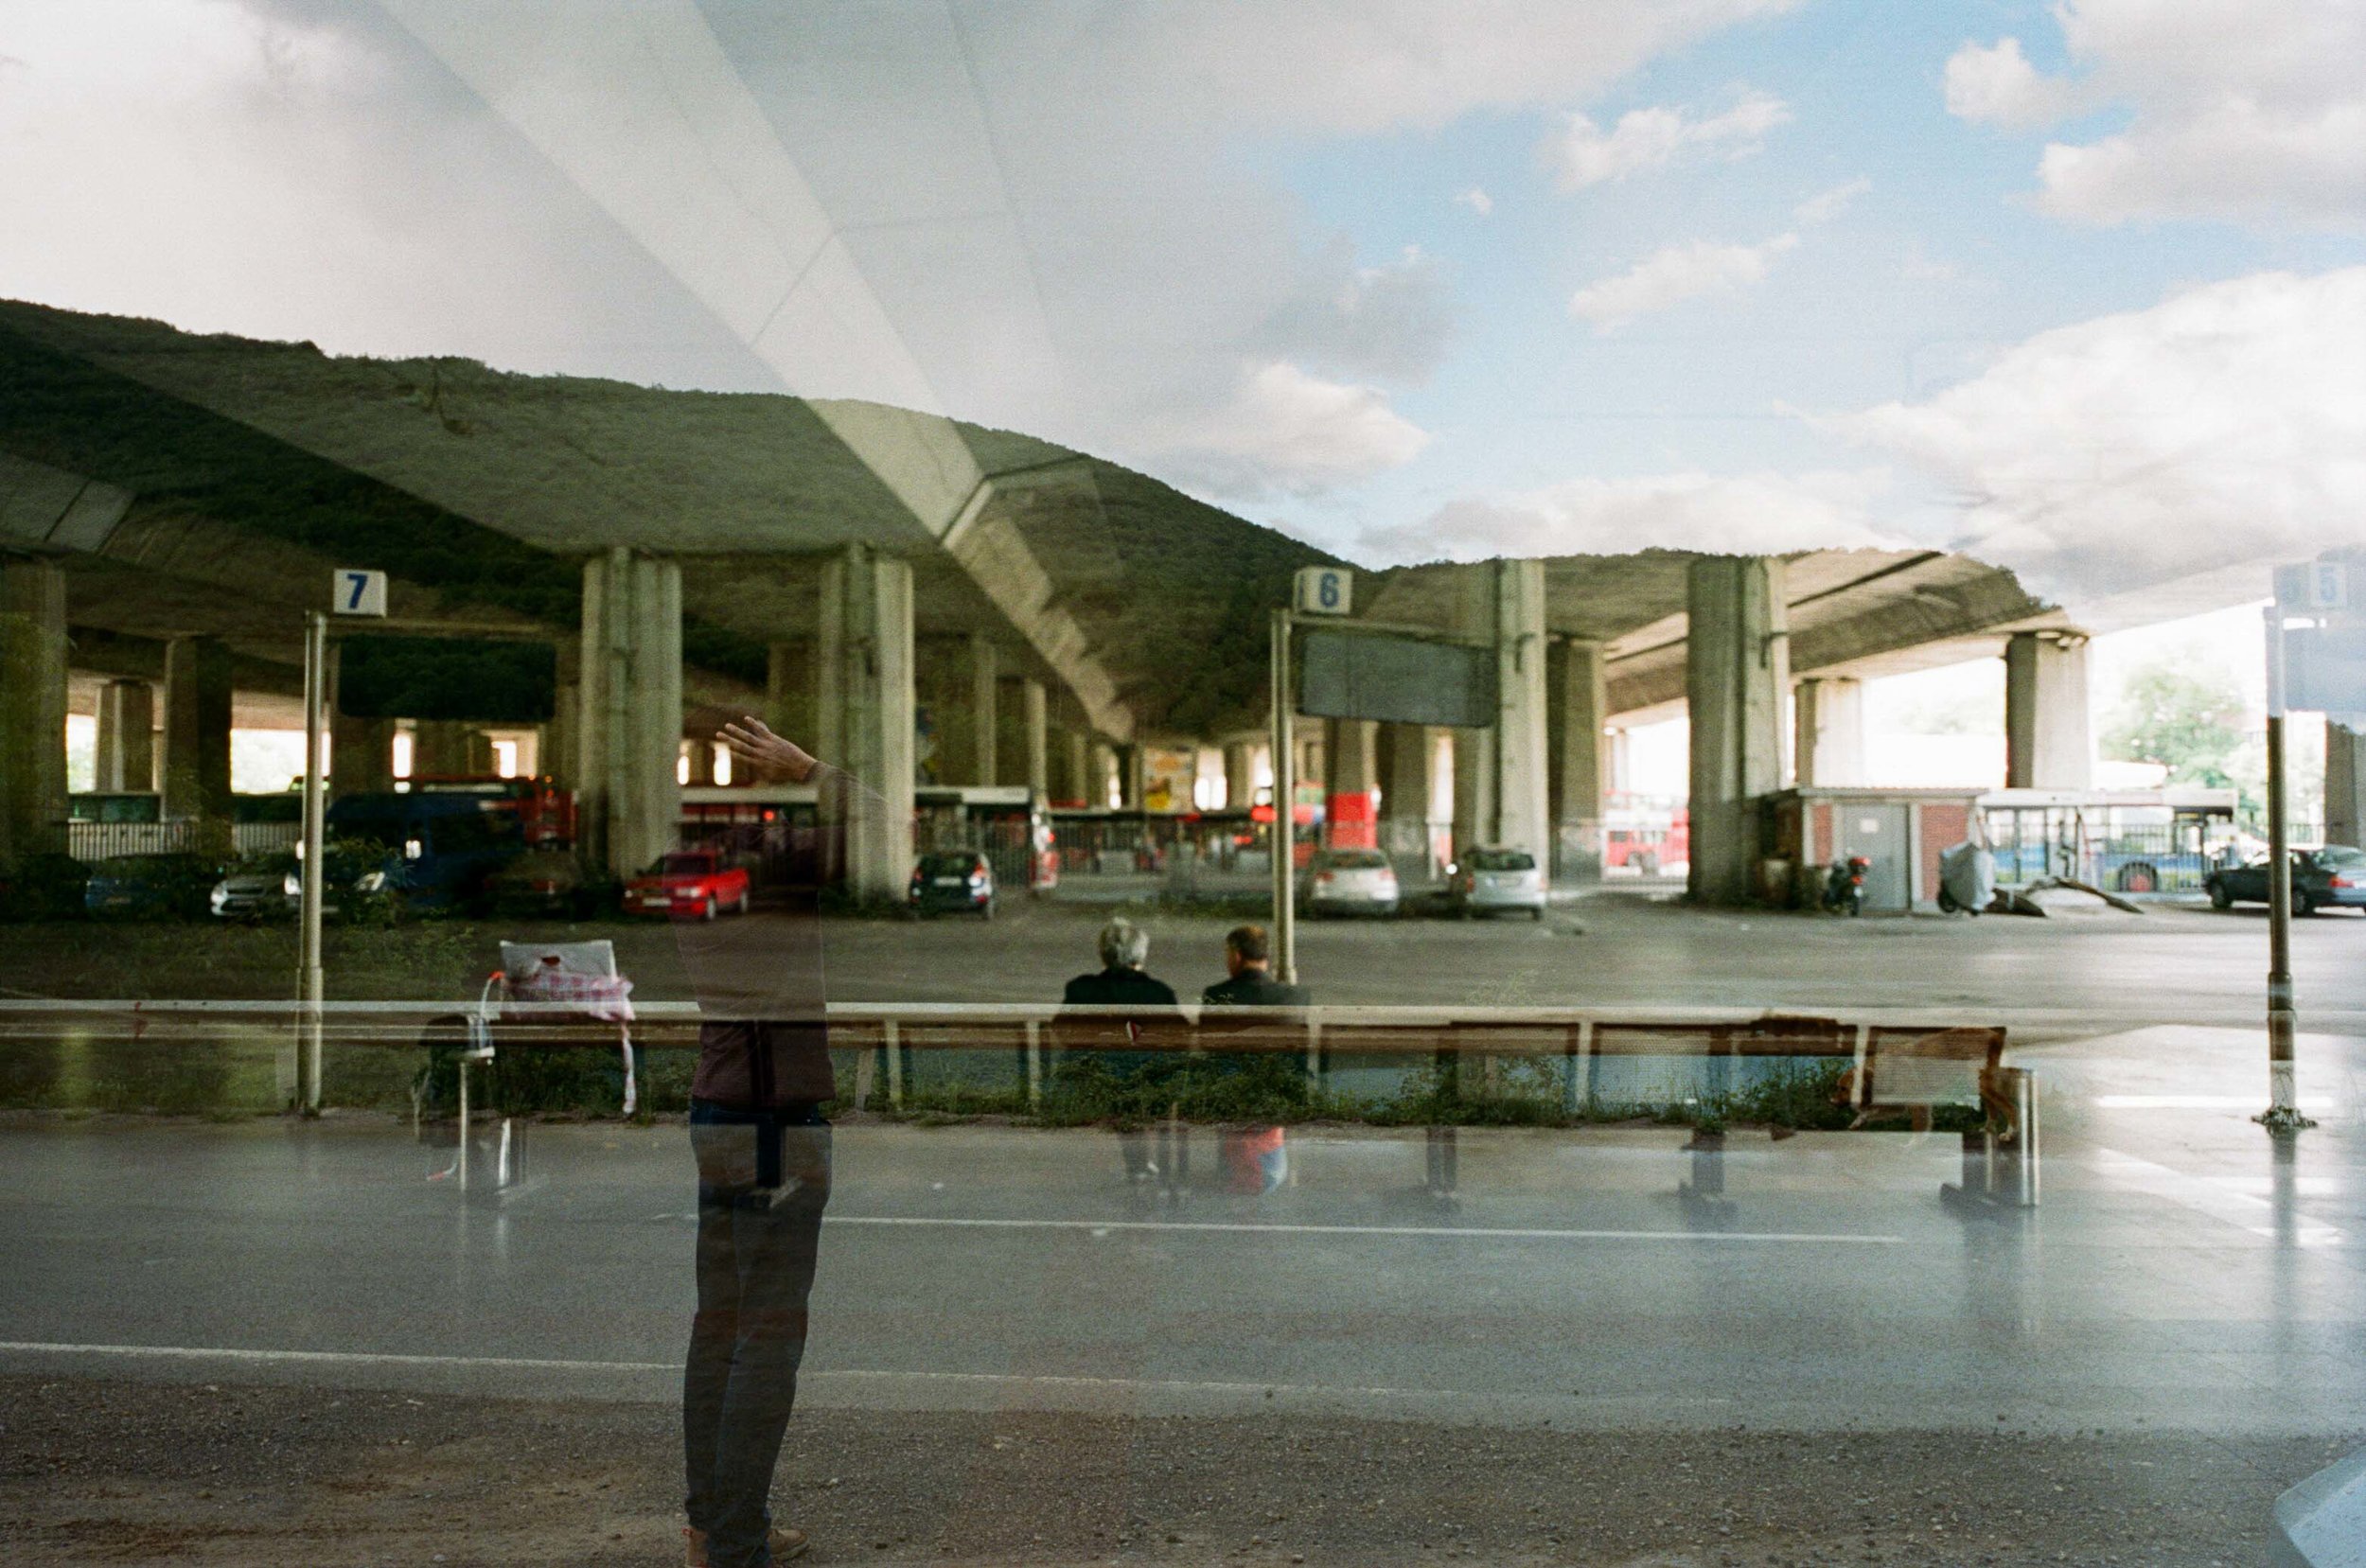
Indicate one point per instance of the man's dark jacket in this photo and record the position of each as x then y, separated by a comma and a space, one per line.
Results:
1255, 988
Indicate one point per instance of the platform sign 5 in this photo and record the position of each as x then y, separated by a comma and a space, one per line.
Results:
2313, 588
357, 593
1325, 589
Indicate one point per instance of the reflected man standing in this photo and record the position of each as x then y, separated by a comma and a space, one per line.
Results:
763, 1152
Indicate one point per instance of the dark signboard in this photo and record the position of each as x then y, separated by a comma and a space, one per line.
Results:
1398, 679
486, 682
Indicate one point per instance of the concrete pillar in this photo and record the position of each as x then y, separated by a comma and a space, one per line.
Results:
2048, 744
629, 726
1736, 670
1104, 777
1134, 776
1574, 689
1621, 762
197, 732
1828, 746
1405, 805
984, 691
1503, 774
1075, 781
867, 700
1522, 765
441, 747
1240, 776
698, 753
2345, 784
1351, 805
792, 691
1474, 790
361, 755
1034, 710
555, 749
32, 709
126, 752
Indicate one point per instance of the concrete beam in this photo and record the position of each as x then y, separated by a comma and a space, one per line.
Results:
1737, 670
32, 709
770, 266
2048, 742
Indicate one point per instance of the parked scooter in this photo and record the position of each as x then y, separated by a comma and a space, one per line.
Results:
1844, 888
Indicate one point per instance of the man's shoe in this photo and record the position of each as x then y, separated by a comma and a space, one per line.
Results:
785, 1543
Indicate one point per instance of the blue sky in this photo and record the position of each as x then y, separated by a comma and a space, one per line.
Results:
2077, 299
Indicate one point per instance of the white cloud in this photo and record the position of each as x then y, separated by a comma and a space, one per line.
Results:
1755, 513
1386, 323
1826, 206
1586, 154
1477, 201
2216, 430
2248, 109
1996, 85
1286, 431
1672, 275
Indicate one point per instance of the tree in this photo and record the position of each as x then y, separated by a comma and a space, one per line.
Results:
2187, 721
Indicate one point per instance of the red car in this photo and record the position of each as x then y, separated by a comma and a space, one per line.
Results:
688, 882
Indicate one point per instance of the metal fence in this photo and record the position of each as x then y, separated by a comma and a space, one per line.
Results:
105, 840
2150, 857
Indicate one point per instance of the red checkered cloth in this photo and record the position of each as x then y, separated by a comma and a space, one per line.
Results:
607, 997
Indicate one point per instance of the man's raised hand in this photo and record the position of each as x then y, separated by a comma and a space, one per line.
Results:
753, 741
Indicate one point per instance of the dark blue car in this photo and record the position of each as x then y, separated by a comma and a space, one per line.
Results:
152, 886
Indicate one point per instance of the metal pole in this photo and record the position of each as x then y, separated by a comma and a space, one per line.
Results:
1286, 935
2282, 1114
315, 793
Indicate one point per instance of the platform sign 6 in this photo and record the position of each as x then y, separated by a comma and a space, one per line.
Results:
1325, 589
357, 593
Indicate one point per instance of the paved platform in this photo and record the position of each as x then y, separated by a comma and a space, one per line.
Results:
2185, 1272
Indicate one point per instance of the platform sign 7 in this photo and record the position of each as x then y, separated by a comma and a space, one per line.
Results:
359, 592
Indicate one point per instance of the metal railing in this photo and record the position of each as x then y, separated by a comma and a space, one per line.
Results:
106, 840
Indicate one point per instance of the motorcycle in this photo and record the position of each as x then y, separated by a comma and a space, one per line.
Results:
1844, 887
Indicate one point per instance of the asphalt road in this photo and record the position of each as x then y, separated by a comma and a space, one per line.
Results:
2171, 965
273, 1341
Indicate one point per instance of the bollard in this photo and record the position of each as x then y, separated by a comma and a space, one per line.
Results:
2020, 1089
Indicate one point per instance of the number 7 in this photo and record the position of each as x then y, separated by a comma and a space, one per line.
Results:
361, 580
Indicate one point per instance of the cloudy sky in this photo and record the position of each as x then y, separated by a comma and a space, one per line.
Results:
2080, 287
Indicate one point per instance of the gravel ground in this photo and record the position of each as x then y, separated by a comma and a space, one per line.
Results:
228, 1475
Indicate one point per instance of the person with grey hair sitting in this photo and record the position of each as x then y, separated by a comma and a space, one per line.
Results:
1121, 982
1138, 1001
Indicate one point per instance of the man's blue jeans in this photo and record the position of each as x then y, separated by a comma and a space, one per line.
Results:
764, 1178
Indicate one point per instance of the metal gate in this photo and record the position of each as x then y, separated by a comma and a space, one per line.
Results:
1878, 832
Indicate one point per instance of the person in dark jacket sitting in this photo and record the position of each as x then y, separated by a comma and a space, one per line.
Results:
1248, 965
1121, 982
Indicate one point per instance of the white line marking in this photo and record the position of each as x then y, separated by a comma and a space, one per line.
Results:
1474, 1232
673, 1368
324, 1358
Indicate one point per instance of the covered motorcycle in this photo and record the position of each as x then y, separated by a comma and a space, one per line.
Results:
1967, 878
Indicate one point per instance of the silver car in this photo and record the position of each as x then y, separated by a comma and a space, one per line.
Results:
1489, 880
1348, 881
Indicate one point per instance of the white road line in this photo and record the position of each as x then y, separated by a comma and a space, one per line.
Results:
327, 1358
1473, 1232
